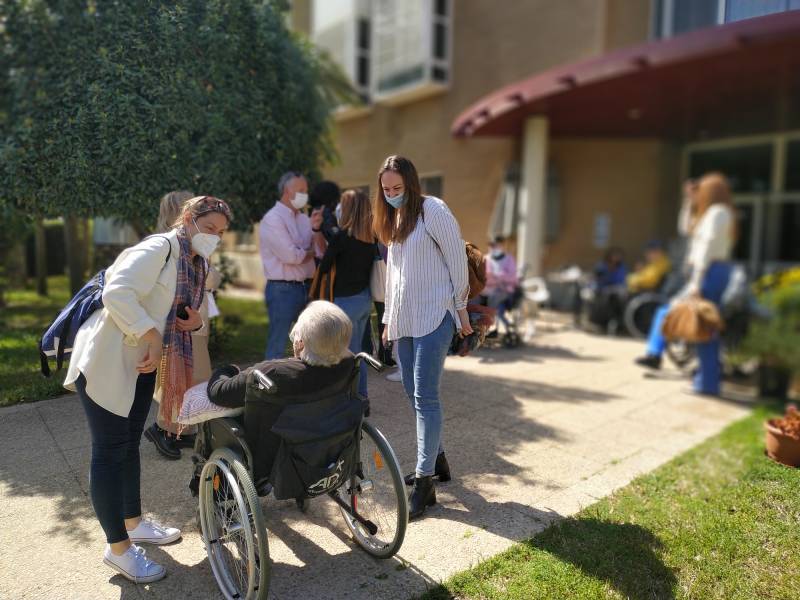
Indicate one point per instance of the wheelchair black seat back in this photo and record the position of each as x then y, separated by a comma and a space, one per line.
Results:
313, 443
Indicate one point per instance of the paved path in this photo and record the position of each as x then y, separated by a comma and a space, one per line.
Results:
531, 434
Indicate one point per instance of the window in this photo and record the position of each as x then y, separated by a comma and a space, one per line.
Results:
673, 17
749, 168
343, 28
411, 54
792, 169
765, 176
431, 185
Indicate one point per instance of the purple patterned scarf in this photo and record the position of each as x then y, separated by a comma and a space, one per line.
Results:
175, 371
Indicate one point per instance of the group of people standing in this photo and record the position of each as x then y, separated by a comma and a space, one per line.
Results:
426, 286
149, 339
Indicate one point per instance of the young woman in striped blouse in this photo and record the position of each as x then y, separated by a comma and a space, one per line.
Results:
426, 299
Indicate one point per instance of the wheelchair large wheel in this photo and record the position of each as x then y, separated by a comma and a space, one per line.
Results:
233, 527
639, 314
379, 496
682, 355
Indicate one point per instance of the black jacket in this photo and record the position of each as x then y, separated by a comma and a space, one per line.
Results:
308, 403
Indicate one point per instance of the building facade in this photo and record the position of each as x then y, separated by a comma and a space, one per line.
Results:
569, 126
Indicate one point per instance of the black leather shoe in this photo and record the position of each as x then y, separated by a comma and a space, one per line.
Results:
164, 442
651, 361
442, 471
185, 441
422, 496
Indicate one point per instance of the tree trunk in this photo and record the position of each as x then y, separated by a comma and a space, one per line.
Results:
74, 257
41, 258
16, 272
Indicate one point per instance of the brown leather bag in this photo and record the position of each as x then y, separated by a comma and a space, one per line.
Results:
476, 269
693, 320
322, 285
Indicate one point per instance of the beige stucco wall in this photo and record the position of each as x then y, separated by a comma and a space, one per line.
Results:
636, 182
494, 44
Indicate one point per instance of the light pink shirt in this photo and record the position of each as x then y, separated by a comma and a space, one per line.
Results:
284, 238
500, 274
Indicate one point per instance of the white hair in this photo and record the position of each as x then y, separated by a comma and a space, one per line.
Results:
286, 178
325, 331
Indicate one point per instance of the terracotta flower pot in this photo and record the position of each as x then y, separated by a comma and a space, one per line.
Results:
781, 447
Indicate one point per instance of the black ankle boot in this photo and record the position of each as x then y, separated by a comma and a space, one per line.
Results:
650, 361
442, 471
422, 496
164, 442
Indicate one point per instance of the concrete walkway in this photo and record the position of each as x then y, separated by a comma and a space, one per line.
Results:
532, 434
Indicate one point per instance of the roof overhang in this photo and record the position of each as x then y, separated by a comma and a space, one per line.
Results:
743, 71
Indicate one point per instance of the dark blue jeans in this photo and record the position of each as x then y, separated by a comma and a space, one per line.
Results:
114, 480
285, 301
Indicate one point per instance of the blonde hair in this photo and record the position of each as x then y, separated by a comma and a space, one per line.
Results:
357, 216
713, 188
202, 205
170, 209
325, 331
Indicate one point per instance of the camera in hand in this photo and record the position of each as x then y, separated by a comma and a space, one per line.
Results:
181, 311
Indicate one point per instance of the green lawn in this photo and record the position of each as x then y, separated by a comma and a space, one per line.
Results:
243, 328
22, 323
721, 521
243, 324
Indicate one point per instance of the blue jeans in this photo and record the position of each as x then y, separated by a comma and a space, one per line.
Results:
421, 365
656, 344
497, 300
359, 308
709, 376
285, 301
115, 475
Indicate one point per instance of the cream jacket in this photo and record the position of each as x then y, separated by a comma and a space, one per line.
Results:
138, 295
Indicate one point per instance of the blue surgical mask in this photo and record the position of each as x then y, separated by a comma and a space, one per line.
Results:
396, 201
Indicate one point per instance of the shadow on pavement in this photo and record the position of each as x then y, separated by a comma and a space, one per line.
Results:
489, 431
535, 353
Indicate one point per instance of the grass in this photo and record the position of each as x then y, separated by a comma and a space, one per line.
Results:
241, 331
22, 323
719, 522
243, 336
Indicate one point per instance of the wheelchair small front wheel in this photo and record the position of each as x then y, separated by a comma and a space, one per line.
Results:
233, 527
378, 496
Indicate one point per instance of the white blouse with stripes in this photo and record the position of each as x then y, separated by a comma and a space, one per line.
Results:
426, 274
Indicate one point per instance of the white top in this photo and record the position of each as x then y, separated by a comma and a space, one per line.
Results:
426, 274
138, 295
712, 240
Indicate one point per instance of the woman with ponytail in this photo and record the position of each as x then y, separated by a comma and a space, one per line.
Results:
151, 299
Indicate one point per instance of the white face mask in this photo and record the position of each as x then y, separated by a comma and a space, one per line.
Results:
300, 200
204, 243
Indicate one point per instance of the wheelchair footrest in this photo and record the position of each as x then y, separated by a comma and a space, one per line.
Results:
370, 526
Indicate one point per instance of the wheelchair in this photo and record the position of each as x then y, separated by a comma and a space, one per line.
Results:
370, 495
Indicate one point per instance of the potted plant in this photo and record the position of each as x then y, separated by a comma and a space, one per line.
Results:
774, 339
783, 438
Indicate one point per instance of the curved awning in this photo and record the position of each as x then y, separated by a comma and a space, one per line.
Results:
677, 86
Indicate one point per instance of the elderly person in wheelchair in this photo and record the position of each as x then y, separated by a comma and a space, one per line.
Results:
303, 434
322, 369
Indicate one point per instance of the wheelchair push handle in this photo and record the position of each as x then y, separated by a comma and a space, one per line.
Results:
264, 382
372, 362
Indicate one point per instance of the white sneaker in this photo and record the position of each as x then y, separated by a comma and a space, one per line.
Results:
150, 532
134, 565
395, 376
